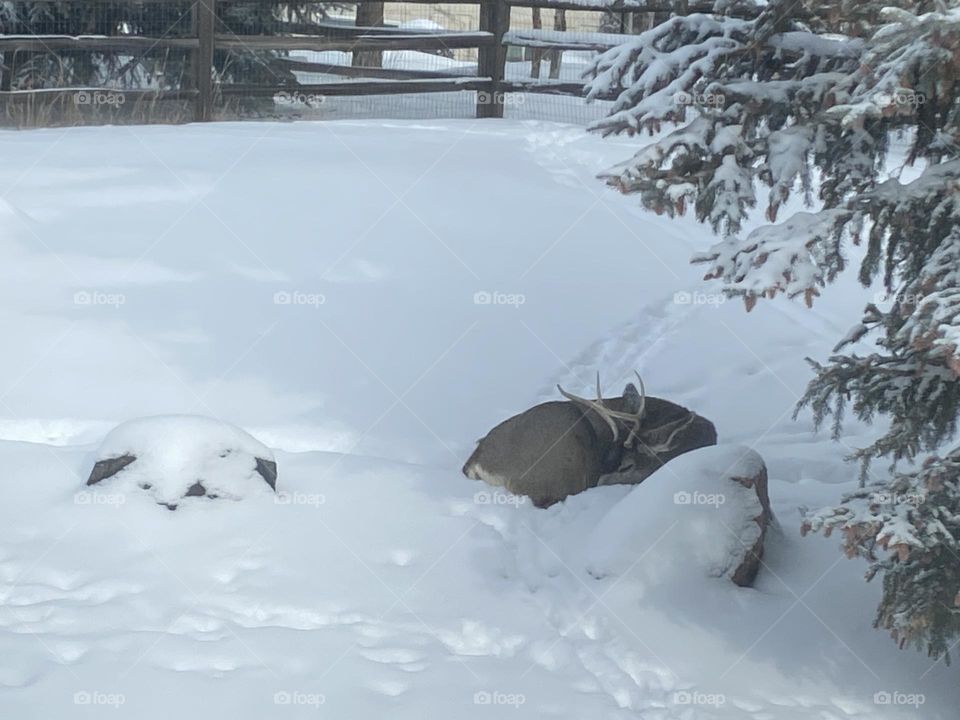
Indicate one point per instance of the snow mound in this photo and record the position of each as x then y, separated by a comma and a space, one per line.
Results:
691, 516
173, 457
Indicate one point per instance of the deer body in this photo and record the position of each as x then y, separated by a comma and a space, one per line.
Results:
545, 453
561, 448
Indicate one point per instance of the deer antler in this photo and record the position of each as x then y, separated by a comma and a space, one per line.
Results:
646, 438
675, 428
633, 419
597, 406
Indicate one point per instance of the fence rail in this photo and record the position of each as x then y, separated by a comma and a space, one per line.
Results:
207, 36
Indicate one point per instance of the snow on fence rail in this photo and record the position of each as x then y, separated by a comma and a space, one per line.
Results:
207, 35
561, 40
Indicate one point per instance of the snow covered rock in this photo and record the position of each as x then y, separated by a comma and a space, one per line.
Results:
706, 511
173, 457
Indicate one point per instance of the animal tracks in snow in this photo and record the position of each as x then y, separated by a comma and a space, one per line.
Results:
619, 353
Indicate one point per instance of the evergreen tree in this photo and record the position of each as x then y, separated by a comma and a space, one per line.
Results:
770, 100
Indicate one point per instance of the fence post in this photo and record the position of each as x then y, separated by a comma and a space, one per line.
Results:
369, 14
492, 59
6, 71
205, 23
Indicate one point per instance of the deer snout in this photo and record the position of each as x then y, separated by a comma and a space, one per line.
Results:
470, 470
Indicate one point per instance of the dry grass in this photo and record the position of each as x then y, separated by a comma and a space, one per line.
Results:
63, 109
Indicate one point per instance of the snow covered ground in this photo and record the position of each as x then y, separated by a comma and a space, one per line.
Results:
368, 298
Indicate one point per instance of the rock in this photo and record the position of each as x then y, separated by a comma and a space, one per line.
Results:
706, 511
173, 457
755, 478
108, 468
268, 471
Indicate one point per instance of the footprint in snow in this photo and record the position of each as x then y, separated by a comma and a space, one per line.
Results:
69, 653
390, 688
393, 656
401, 557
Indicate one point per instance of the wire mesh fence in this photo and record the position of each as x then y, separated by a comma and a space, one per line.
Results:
36, 57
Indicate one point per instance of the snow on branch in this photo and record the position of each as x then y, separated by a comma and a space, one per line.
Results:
796, 257
739, 93
907, 529
654, 73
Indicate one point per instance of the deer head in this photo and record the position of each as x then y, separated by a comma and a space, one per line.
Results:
634, 431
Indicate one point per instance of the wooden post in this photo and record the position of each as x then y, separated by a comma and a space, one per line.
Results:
6, 71
369, 14
556, 56
536, 54
205, 23
492, 60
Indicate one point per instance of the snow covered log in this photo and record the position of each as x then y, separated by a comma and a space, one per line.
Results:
707, 511
173, 457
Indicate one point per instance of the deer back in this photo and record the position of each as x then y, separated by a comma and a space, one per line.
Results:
546, 453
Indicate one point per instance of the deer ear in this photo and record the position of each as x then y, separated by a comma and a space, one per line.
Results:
631, 399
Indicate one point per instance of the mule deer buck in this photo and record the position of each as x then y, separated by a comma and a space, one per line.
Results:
561, 448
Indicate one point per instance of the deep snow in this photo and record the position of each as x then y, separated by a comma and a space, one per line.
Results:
368, 298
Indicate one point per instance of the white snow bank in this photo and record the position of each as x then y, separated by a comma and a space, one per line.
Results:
694, 494
383, 589
173, 452
389, 588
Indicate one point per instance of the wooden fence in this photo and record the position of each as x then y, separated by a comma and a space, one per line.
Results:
206, 38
